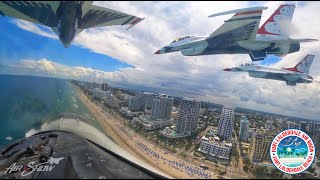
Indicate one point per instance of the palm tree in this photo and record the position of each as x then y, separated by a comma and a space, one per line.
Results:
285, 152
292, 152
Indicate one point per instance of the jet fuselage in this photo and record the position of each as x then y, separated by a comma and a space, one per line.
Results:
255, 71
67, 18
197, 46
68, 14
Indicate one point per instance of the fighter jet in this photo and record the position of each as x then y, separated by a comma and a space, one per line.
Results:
288, 141
292, 76
297, 143
66, 18
241, 35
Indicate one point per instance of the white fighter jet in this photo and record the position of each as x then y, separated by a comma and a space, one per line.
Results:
241, 35
292, 76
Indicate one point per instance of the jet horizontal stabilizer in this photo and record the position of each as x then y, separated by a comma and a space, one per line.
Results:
2, 14
257, 55
290, 40
238, 11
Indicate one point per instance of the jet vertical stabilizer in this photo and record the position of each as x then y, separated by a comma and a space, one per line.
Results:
278, 25
304, 65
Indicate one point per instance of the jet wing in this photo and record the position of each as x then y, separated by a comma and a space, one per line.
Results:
292, 40
309, 80
98, 16
40, 12
241, 26
270, 70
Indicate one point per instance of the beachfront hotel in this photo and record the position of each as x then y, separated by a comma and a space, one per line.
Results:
141, 101
162, 107
212, 146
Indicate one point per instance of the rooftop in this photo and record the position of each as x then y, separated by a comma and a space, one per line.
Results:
216, 141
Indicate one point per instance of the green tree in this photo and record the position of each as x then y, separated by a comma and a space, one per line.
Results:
245, 168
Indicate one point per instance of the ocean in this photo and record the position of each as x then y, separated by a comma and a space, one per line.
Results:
28, 101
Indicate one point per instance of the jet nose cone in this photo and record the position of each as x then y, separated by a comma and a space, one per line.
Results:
158, 52
227, 69
66, 45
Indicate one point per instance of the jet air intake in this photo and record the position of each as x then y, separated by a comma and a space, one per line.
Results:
195, 50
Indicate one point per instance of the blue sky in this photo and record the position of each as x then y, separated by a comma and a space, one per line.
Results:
17, 44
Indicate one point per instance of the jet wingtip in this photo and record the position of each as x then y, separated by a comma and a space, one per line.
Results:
135, 22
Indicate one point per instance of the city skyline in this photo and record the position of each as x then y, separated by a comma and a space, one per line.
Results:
98, 55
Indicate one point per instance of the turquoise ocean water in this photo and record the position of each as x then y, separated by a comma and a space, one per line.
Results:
28, 101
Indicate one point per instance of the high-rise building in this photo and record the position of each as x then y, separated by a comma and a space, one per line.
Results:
141, 101
316, 140
284, 125
268, 125
226, 123
244, 129
260, 146
98, 93
214, 147
293, 125
104, 87
313, 126
162, 107
303, 126
188, 116
94, 85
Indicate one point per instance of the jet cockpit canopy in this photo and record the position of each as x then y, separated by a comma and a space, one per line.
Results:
181, 38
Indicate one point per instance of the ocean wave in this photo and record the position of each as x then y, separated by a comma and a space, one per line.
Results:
9, 138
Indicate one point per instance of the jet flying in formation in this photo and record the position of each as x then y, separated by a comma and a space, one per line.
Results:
292, 76
241, 35
238, 35
66, 18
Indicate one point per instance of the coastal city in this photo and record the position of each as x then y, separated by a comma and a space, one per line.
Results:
159, 90
192, 138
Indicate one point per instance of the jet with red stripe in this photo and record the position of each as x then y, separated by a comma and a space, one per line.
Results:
292, 76
241, 35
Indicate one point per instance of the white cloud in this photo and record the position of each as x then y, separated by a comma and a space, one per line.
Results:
201, 76
29, 26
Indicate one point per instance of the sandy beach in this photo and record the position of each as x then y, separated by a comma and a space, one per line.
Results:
141, 148
292, 160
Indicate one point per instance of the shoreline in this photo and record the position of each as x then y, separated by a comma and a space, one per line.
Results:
139, 147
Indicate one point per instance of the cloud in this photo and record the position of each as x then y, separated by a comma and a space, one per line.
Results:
40, 30
200, 76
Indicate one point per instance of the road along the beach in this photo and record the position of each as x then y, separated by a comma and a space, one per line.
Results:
142, 149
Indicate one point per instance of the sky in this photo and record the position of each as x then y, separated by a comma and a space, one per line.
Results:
126, 57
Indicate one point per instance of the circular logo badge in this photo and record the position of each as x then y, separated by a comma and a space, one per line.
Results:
292, 151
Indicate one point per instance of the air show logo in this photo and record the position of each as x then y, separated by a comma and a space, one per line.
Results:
292, 151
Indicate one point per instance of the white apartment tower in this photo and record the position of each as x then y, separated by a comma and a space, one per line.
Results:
162, 107
188, 116
226, 123
244, 129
